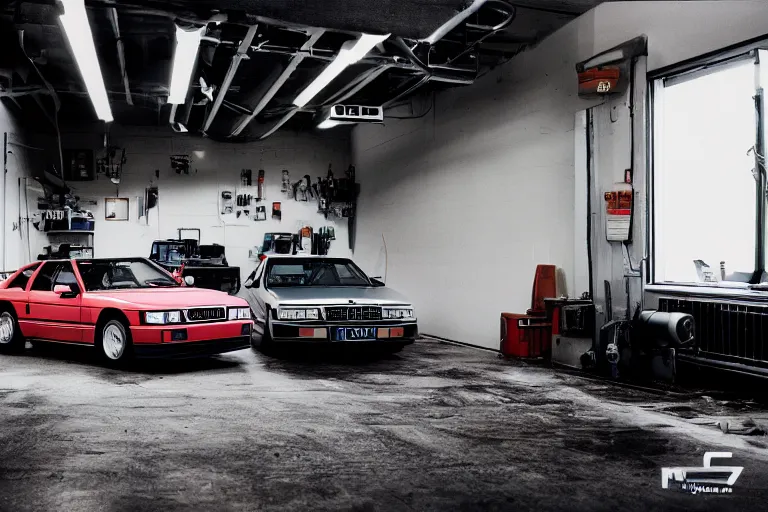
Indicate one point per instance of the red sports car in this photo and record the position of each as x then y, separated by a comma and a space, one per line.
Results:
122, 307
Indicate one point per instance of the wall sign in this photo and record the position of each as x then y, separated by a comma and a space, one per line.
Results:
618, 215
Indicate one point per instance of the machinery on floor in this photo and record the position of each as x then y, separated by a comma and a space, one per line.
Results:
207, 264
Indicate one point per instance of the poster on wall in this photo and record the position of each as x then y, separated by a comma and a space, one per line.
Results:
116, 208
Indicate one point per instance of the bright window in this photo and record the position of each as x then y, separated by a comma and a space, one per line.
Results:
705, 179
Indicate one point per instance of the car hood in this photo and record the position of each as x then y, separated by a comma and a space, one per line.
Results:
328, 295
166, 298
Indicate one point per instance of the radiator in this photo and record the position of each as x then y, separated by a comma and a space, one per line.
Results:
726, 330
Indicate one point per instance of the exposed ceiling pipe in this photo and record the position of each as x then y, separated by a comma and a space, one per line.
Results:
112, 13
357, 85
423, 80
287, 72
454, 22
280, 123
242, 53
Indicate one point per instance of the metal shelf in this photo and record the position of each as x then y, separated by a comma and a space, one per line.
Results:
68, 232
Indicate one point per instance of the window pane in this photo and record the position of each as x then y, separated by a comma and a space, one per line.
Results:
43, 281
66, 275
704, 189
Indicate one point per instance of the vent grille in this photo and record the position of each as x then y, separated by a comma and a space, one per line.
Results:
724, 329
205, 314
337, 314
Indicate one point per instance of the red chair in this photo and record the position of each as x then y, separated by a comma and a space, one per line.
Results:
530, 335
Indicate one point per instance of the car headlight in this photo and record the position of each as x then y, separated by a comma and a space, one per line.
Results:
162, 317
298, 314
397, 313
239, 313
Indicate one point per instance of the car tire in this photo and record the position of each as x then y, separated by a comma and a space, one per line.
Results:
267, 346
11, 339
114, 342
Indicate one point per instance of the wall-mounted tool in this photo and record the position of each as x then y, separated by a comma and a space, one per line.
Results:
286, 183
227, 205
260, 190
276, 213
180, 164
246, 177
301, 188
260, 213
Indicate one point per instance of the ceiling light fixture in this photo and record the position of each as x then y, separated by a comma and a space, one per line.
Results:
351, 52
330, 123
184, 58
75, 23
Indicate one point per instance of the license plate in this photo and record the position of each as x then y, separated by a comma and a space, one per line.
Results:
355, 333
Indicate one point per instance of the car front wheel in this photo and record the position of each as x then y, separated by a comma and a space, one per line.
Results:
11, 339
115, 342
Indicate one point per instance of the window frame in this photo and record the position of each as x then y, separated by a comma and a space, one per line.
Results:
30, 268
33, 281
689, 70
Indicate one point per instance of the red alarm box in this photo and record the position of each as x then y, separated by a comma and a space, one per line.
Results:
525, 336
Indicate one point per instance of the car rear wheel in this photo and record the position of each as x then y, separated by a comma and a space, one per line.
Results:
11, 339
115, 342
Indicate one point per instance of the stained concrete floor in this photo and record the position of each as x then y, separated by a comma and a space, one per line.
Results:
438, 427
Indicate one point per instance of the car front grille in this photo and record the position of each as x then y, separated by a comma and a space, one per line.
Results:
341, 313
205, 314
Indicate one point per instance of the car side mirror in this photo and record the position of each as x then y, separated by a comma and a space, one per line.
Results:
66, 291
189, 280
376, 282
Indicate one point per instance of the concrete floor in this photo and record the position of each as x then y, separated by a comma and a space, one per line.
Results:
438, 427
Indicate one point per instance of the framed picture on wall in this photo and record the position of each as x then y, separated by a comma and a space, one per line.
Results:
116, 208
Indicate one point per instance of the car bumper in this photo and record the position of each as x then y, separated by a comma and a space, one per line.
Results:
193, 349
311, 332
190, 340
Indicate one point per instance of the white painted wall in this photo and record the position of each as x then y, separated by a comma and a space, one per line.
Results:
472, 196
15, 243
193, 201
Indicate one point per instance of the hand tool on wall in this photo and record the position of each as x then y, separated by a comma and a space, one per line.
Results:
308, 181
260, 195
276, 213
286, 184
246, 176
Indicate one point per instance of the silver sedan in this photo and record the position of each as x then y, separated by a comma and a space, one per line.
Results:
318, 299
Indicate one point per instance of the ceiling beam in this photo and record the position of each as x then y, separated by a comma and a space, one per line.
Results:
242, 53
112, 13
287, 72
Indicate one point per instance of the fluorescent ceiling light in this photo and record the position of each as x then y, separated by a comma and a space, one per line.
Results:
184, 58
349, 54
75, 23
330, 123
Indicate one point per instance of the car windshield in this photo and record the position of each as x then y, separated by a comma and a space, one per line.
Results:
121, 274
170, 253
314, 272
